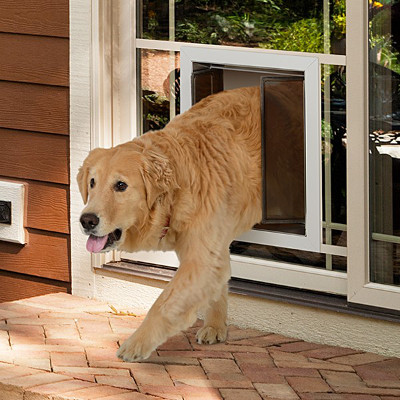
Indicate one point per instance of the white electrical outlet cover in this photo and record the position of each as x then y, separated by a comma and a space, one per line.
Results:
15, 193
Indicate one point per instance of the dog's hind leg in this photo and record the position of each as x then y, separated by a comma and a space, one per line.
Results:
215, 328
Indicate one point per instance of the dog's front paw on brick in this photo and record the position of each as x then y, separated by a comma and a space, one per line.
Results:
133, 350
211, 335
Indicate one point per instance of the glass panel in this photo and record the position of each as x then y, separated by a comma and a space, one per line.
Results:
386, 262
306, 258
159, 88
317, 26
283, 154
334, 142
334, 236
384, 140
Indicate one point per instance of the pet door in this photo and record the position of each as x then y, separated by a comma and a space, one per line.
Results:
283, 154
290, 134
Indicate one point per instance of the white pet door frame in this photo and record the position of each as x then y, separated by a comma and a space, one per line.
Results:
244, 68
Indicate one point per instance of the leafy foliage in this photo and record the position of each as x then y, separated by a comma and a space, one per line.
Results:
254, 23
155, 110
303, 35
384, 45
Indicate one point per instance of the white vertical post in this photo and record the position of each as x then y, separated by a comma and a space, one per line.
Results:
327, 135
124, 73
172, 77
357, 145
80, 136
102, 86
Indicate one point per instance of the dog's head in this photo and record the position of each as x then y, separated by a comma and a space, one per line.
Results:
119, 187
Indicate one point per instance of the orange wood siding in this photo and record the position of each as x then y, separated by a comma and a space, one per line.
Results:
34, 138
33, 155
48, 207
35, 17
30, 107
45, 255
34, 59
17, 286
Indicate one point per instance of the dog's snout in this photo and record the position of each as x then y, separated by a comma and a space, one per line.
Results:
89, 221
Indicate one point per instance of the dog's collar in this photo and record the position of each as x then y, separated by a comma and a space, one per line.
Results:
165, 229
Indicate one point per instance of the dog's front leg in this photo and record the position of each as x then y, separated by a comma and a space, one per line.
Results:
193, 286
215, 322
215, 327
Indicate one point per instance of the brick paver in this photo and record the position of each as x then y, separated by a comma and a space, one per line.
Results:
123, 382
308, 385
60, 346
63, 359
60, 387
240, 394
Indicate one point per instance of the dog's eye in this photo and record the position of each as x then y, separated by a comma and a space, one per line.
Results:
92, 183
120, 186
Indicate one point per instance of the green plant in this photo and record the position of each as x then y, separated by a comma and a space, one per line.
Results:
155, 110
191, 31
302, 35
274, 23
383, 52
339, 19
156, 121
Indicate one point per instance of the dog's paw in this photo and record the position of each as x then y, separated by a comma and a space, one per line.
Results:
211, 335
133, 350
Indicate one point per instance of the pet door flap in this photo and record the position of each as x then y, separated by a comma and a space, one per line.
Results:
206, 82
283, 154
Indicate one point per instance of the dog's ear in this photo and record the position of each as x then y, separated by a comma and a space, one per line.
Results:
83, 173
157, 175
82, 181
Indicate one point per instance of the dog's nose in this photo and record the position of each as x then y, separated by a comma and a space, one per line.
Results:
89, 221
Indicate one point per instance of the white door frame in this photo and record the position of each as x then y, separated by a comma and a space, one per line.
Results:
84, 136
360, 289
123, 100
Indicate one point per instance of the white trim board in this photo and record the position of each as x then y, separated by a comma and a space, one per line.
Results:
259, 270
80, 137
165, 45
286, 274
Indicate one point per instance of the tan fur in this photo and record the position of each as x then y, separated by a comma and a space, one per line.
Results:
202, 172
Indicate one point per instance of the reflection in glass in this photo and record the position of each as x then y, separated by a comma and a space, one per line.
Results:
384, 140
317, 26
306, 258
334, 142
159, 90
335, 237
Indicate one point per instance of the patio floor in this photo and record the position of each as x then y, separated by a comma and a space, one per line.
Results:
61, 346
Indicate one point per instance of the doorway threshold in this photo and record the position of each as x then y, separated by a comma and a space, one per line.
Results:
323, 301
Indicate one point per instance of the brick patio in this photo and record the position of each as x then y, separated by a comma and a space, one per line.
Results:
63, 347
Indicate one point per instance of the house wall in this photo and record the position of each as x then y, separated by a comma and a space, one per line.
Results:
34, 143
137, 294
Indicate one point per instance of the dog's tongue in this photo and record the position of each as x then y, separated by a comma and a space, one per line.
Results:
96, 243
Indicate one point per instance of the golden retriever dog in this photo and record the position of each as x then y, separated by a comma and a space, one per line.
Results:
192, 187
